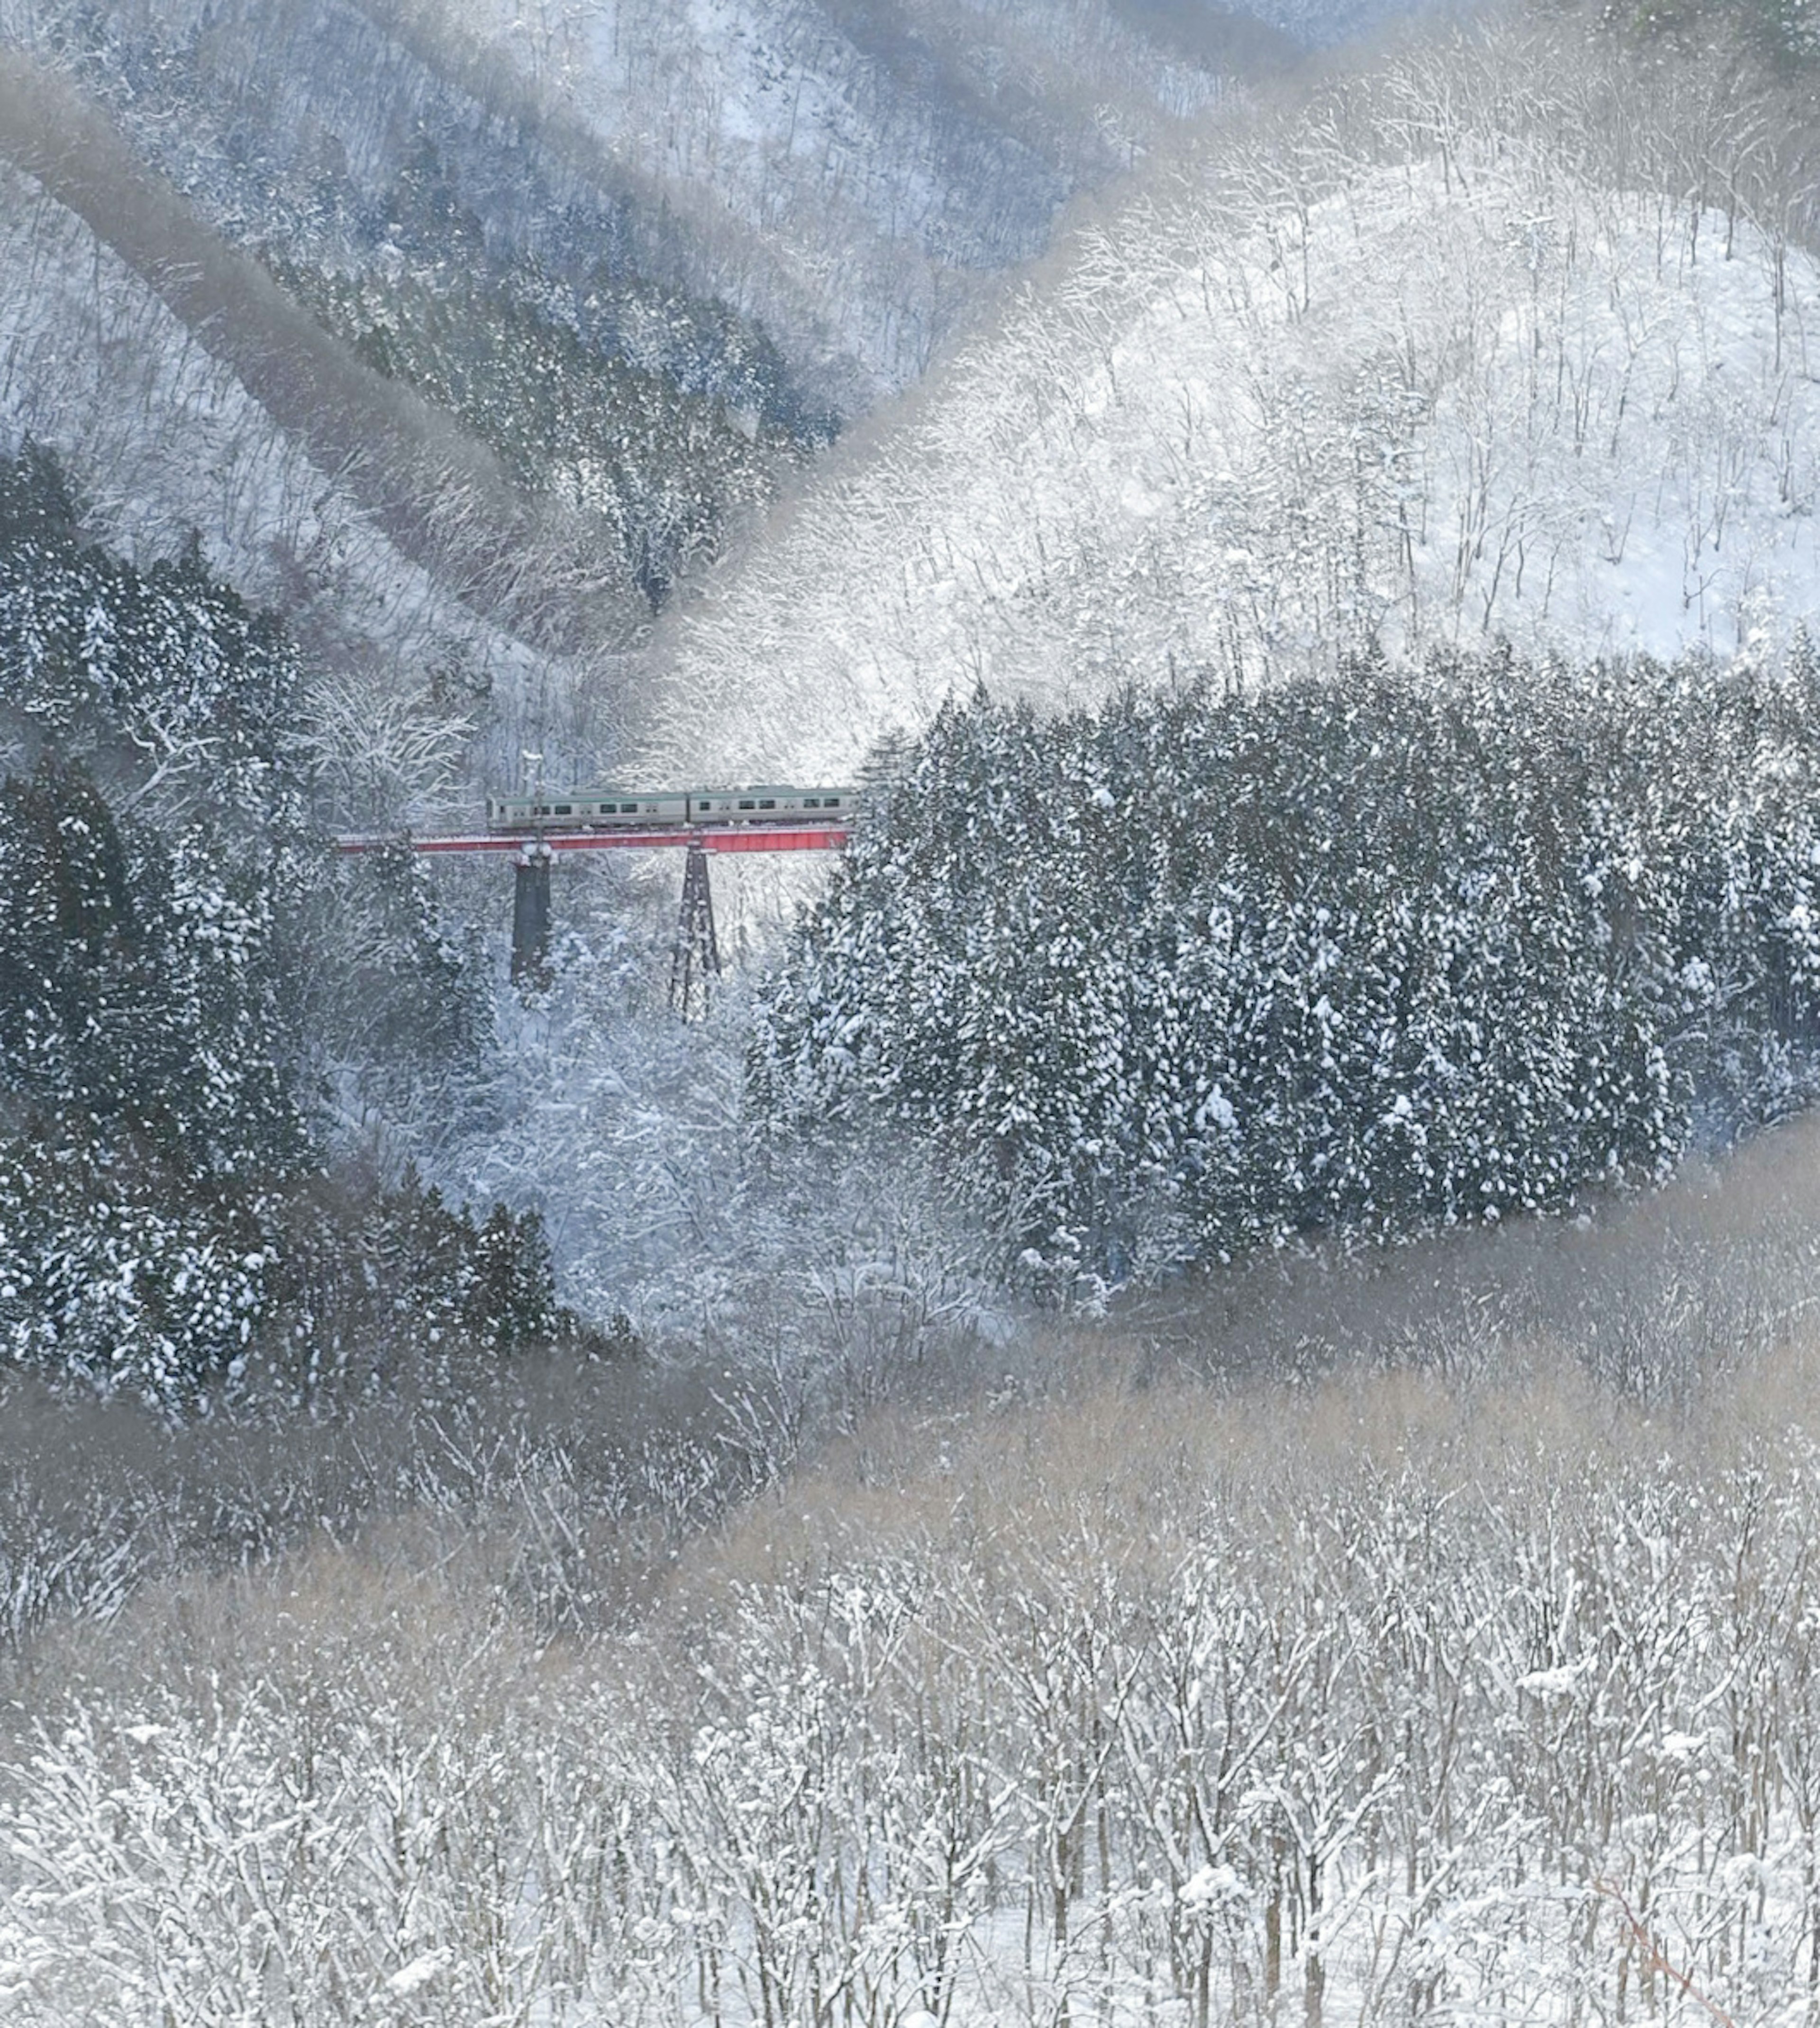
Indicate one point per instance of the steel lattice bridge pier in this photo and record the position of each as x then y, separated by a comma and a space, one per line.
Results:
696, 957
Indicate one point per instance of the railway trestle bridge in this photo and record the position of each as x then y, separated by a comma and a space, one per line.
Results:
695, 956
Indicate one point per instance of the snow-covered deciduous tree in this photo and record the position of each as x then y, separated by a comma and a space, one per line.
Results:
1173, 1706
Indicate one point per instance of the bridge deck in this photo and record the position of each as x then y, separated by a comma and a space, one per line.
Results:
734, 838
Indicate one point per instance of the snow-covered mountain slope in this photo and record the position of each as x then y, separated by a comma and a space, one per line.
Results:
891, 157
439, 213
850, 176
373, 136
1433, 366
121, 369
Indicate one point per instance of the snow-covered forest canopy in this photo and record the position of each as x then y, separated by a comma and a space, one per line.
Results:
180, 963
1193, 1400
1184, 977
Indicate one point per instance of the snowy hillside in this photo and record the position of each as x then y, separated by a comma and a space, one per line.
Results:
166, 437
1502, 341
891, 159
851, 179
620, 267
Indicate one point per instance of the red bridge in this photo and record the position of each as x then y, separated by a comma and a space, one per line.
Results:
734, 837
696, 959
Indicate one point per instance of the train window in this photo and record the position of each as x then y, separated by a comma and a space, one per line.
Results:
746, 803
833, 803
767, 802
811, 802
561, 810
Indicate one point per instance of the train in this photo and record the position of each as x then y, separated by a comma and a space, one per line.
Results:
632, 810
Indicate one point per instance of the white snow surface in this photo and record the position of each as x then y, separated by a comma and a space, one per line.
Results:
422, 1970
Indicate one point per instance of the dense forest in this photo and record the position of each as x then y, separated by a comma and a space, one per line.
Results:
178, 965
1192, 973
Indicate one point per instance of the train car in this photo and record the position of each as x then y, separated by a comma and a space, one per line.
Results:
626, 810
586, 809
772, 803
